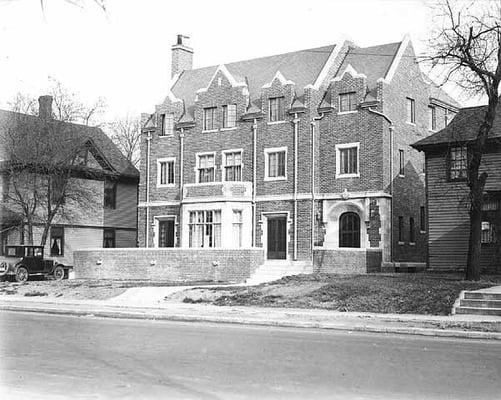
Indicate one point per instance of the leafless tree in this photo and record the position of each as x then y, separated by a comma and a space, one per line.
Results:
467, 45
126, 134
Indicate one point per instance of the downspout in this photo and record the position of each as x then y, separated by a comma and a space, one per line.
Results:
181, 184
392, 127
312, 238
296, 129
254, 177
148, 145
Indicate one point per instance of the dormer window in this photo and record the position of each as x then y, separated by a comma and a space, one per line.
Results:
229, 116
276, 112
209, 119
166, 124
347, 102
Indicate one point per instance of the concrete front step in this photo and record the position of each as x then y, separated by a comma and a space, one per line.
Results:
274, 270
478, 311
482, 296
403, 267
480, 303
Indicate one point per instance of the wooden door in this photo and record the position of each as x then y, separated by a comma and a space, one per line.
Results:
277, 238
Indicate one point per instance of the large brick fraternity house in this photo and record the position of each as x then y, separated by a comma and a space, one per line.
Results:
99, 204
448, 194
306, 155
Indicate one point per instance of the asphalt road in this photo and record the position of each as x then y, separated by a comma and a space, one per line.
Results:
52, 357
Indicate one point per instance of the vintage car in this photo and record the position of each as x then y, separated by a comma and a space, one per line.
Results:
23, 261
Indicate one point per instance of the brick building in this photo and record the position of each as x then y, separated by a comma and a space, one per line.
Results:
306, 155
105, 182
447, 192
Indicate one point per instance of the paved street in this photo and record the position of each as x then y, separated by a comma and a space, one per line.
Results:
47, 356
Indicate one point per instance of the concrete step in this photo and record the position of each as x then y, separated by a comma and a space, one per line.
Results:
480, 303
408, 267
478, 311
482, 296
274, 270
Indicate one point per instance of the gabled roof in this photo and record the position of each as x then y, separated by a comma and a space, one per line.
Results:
301, 67
463, 128
71, 137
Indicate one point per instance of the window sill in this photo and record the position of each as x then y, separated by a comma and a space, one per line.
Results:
342, 176
273, 179
412, 243
166, 136
410, 123
206, 183
211, 131
347, 112
170, 185
422, 232
401, 243
228, 129
276, 122
401, 175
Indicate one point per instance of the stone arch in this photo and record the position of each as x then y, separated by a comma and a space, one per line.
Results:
332, 222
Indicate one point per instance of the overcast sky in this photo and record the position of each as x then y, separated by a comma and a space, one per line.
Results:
124, 54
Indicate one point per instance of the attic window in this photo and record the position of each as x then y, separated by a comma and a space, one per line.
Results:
347, 102
411, 110
276, 112
229, 116
81, 157
166, 124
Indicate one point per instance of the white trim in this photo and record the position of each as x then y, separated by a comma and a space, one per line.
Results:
227, 74
166, 160
197, 163
328, 64
281, 78
167, 203
211, 131
347, 112
343, 146
276, 122
223, 163
396, 61
226, 129
349, 70
156, 222
267, 151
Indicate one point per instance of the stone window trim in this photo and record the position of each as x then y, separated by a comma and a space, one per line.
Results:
276, 109
410, 111
344, 146
229, 116
267, 152
352, 103
197, 165
160, 161
223, 163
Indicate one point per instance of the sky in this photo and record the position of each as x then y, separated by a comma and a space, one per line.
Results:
124, 54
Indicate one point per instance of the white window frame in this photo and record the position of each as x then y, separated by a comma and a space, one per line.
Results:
344, 146
159, 162
228, 128
163, 132
432, 118
278, 121
339, 103
412, 120
214, 120
197, 164
240, 225
267, 152
223, 164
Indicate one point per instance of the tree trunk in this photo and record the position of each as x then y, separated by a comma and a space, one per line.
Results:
45, 234
474, 245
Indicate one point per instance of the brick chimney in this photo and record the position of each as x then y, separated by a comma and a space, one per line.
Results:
182, 55
45, 107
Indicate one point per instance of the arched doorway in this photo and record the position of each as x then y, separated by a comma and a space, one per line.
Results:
349, 230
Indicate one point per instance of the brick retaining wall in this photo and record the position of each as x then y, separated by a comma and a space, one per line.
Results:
346, 261
225, 265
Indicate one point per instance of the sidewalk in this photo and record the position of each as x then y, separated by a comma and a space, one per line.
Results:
148, 303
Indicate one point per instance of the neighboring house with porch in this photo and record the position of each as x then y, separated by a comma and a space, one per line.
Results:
447, 192
106, 218
306, 155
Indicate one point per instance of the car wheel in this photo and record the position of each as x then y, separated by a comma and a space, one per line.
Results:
58, 273
21, 274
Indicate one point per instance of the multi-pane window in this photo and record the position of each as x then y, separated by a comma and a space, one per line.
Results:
349, 230
347, 102
56, 241
422, 219
110, 194
411, 110
233, 166
276, 109
401, 154
412, 233
109, 238
205, 168
348, 160
276, 164
205, 228
237, 227
432, 118
166, 124
209, 118
229, 116
165, 172
400, 229
458, 162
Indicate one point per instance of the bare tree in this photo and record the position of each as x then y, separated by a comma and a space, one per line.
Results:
467, 45
126, 134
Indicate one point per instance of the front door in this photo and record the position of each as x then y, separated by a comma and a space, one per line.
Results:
166, 233
277, 238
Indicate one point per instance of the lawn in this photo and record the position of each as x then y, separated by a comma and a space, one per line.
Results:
378, 293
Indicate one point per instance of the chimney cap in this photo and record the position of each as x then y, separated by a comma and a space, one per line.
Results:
182, 43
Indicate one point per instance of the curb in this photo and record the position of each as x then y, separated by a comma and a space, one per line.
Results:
339, 326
